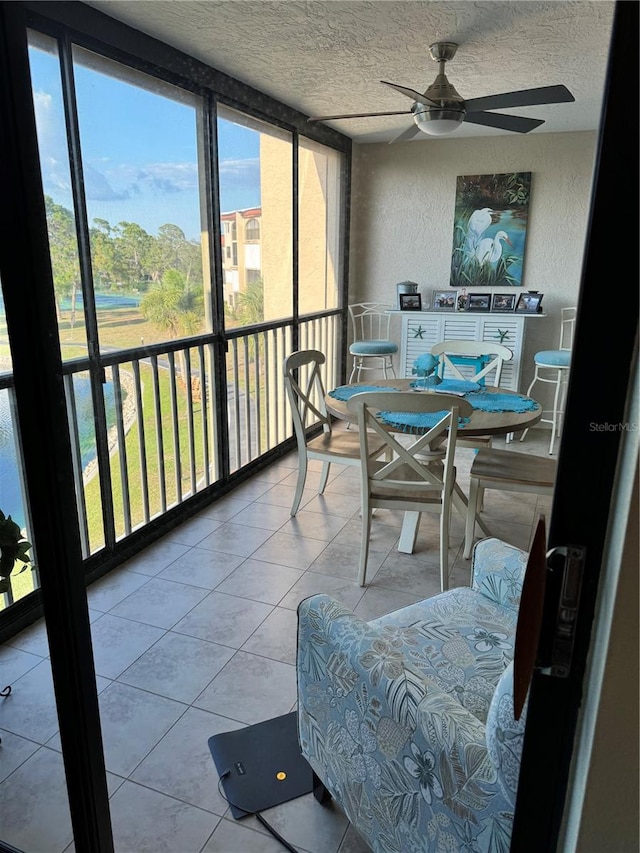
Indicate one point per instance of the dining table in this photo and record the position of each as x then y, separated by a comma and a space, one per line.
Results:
497, 411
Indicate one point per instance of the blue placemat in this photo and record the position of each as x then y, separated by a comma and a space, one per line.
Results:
491, 401
416, 421
345, 392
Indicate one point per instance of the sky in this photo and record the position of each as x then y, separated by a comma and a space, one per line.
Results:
139, 151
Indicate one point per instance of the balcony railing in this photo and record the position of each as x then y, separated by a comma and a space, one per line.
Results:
155, 439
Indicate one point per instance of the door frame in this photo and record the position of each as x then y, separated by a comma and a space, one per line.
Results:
605, 345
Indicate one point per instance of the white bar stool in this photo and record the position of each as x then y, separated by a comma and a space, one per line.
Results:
371, 348
552, 368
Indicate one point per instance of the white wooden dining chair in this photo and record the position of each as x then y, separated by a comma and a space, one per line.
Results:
480, 359
505, 470
305, 390
415, 476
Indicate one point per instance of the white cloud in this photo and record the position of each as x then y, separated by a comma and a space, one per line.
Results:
246, 171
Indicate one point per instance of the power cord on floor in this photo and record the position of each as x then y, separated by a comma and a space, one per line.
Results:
6, 691
262, 820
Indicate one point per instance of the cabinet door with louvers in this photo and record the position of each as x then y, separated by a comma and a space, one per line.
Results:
421, 331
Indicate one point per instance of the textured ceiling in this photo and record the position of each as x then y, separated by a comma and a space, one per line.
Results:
329, 56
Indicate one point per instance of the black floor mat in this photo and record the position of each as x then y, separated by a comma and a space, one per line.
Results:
261, 765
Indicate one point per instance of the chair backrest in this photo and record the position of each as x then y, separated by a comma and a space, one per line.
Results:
305, 390
369, 321
492, 357
407, 468
567, 327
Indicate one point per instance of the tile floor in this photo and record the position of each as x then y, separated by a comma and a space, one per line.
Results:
196, 636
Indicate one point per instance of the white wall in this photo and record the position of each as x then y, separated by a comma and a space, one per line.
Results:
403, 207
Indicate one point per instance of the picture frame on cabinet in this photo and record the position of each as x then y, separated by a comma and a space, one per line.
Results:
478, 302
529, 303
410, 302
444, 300
503, 302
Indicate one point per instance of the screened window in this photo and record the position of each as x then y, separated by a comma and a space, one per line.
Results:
320, 245
143, 188
255, 168
56, 179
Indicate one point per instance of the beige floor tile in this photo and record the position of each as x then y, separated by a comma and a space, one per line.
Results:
133, 721
177, 666
225, 619
236, 539
181, 766
202, 567
276, 637
35, 806
161, 603
250, 689
145, 821
297, 552
260, 581
314, 525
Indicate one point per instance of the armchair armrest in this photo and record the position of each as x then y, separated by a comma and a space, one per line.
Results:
505, 735
497, 571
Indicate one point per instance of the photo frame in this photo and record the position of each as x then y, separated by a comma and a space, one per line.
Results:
410, 302
444, 300
478, 302
529, 303
503, 302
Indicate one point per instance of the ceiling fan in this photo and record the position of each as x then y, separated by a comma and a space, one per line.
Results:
441, 110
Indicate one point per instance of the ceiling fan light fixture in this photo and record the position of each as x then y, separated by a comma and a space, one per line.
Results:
439, 122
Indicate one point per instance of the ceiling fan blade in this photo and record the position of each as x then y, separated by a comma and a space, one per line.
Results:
524, 98
409, 133
411, 93
518, 124
359, 115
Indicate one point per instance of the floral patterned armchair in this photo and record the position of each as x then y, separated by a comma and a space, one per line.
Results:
407, 720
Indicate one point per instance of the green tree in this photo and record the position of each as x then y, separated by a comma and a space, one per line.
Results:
250, 307
102, 254
132, 252
250, 310
174, 307
172, 250
63, 247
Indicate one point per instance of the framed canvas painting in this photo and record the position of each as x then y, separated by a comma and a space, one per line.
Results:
490, 229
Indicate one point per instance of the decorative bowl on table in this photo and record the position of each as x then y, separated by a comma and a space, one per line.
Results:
425, 367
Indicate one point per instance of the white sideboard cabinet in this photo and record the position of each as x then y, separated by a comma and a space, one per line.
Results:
422, 329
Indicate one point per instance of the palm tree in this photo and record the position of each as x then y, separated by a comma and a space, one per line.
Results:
174, 307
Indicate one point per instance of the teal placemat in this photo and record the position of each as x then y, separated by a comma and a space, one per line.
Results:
416, 422
345, 392
491, 401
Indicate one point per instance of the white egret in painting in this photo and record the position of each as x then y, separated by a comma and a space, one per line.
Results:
489, 250
478, 223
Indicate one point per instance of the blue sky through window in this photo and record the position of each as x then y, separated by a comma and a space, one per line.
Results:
139, 151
